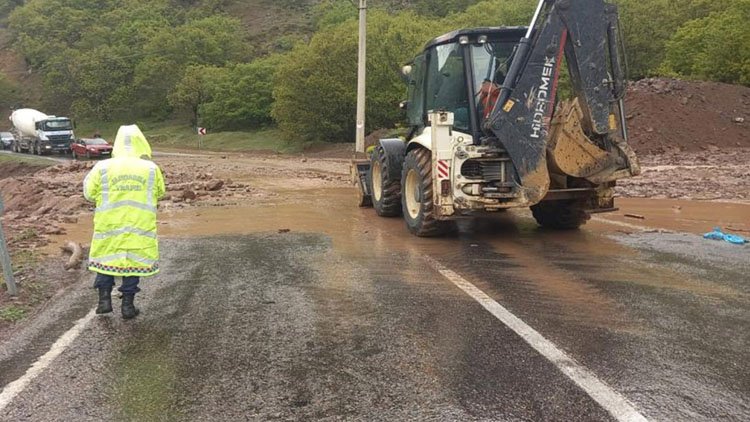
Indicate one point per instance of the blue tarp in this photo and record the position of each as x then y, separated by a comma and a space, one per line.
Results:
717, 234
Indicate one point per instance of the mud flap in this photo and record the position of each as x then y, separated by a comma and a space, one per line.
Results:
359, 171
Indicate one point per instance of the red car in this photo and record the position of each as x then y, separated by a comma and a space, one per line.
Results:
89, 148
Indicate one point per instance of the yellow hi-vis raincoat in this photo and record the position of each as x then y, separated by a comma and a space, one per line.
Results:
125, 189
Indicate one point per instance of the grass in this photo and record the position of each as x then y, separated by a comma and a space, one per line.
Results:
172, 135
27, 159
145, 380
12, 313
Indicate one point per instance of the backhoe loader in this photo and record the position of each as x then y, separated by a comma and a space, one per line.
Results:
487, 132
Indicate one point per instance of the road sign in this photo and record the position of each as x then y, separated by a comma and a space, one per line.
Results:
201, 131
5, 259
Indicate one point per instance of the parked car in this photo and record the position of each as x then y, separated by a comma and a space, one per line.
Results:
89, 148
6, 139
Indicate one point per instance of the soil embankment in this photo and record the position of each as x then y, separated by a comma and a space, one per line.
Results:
673, 116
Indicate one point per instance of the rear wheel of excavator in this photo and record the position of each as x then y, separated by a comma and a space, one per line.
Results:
386, 190
417, 200
560, 215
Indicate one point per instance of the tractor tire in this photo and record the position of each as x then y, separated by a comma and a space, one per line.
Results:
386, 193
560, 215
417, 199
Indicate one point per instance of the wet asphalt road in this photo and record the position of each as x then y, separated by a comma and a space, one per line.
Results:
350, 322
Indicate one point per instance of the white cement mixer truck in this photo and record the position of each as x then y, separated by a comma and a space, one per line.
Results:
38, 133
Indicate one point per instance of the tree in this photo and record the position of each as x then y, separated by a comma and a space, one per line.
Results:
242, 97
495, 13
315, 95
649, 24
442, 7
716, 47
209, 41
194, 89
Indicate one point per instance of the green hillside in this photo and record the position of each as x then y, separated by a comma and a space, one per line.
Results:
235, 65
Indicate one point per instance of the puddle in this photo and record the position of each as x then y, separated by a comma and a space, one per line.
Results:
558, 262
695, 217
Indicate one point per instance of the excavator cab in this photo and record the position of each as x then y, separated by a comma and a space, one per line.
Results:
460, 72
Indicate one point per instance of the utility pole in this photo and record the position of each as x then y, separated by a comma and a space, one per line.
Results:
361, 76
5, 258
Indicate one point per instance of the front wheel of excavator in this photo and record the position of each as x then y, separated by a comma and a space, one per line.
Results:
417, 200
560, 215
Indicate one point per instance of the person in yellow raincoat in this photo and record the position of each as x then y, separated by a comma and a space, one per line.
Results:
125, 189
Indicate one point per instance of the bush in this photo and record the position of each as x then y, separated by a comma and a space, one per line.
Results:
315, 84
242, 97
716, 47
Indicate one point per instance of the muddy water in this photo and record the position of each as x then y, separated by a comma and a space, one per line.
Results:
332, 211
620, 310
570, 273
695, 217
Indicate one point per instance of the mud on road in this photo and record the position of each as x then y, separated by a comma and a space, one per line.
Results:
301, 306
41, 203
45, 207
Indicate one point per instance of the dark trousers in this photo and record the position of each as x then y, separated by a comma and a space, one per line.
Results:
129, 284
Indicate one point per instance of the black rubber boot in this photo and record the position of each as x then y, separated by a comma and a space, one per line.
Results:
129, 311
105, 300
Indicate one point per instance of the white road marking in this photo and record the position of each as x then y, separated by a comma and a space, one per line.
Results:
623, 224
612, 401
16, 387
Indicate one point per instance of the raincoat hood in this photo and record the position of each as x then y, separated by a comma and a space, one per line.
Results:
130, 142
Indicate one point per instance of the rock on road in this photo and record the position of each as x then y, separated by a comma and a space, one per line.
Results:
346, 319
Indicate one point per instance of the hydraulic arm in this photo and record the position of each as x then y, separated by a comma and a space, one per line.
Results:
585, 35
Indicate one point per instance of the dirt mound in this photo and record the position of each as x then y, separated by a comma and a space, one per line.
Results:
343, 151
12, 169
669, 115
720, 175
38, 202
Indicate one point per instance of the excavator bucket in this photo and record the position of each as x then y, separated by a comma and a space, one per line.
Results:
571, 152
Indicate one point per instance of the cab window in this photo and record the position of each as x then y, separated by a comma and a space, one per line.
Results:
415, 111
446, 84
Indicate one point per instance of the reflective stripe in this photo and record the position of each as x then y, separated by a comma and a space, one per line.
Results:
86, 193
126, 255
132, 230
105, 186
120, 204
150, 189
128, 143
